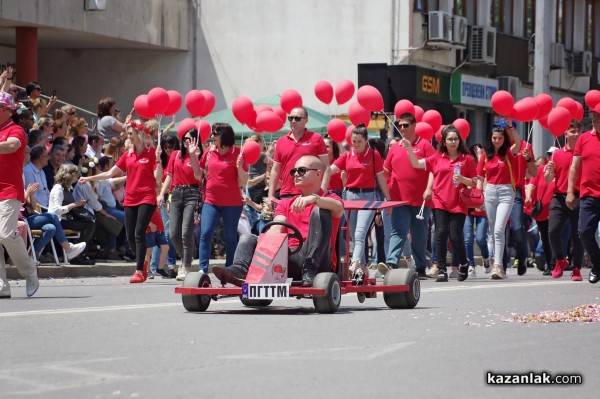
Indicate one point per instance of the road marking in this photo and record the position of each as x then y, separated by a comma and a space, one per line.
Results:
496, 285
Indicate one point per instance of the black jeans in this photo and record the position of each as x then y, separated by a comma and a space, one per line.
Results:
181, 221
137, 219
588, 224
449, 224
86, 230
559, 214
544, 236
317, 247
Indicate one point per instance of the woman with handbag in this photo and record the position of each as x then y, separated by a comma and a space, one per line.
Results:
453, 169
71, 213
139, 164
495, 173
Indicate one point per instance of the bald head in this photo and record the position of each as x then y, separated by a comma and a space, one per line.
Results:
310, 161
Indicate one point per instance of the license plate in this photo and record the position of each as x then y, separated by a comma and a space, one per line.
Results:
279, 291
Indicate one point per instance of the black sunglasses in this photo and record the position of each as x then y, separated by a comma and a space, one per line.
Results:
215, 134
301, 171
295, 118
403, 125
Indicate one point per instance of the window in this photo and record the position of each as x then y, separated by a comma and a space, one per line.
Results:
426, 5
589, 25
502, 11
529, 19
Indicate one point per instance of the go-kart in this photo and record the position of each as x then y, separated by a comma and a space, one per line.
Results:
267, 279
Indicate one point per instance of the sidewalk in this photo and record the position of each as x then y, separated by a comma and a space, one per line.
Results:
100, 269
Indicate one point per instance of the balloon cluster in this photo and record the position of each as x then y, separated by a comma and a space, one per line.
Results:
158, 101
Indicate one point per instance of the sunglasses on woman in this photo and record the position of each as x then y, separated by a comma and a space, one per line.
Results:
301, 171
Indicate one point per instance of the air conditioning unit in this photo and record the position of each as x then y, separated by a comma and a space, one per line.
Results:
482, 46
557, 56
440, 27
581, 63
508, 83
95, 5
459, 31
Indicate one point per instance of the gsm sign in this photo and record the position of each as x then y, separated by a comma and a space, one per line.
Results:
430, 84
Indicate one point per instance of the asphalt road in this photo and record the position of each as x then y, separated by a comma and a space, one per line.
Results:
103, 338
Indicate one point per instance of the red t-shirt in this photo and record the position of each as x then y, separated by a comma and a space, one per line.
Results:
520, 165
288, 151
141, 184
360, 168
11, 165
563, 158
335, 182
408, 183
543, 190
302, 220
157, 220
222, 187
588, 148
181, 172
496, 170
445, 195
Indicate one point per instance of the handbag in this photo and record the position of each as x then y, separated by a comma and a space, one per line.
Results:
113, 226
78, 213
471, 197
536, 209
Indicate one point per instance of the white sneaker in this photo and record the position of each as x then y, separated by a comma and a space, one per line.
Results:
75, 250
32, 283
382, 268
487, 266
453, 273
182, 272
4, 289
498, 273
410, 263
472, 272
433, 272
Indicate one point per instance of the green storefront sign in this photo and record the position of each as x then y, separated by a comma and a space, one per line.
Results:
433, 85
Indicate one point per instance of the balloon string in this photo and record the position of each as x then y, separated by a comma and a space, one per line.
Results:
530, 133
159, 118
392, 123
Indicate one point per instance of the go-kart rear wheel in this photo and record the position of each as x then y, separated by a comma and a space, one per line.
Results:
256, 303
194, 302
329, 302
402, 300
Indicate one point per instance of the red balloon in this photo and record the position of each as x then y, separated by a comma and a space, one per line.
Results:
252, 120
370, 98
280, 112
424, 130
336, 128
204, 130
438, 134
262, 107
344, 91
242, 109
569, 104
174, 103
194, 102
268, 121
251, 152
579, 114
525, 110
209, 102
289, 100
545, 104
559, 120
543, 120
403, 107
324, 91
185, 126
348, 135
358, 114
502, 102
140, 104
158, 100
592, 98
463, 127
419, 113
434, 119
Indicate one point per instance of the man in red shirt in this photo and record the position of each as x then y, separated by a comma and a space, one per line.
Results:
587, 157
314, 213
290, 148
12, 195
558, 170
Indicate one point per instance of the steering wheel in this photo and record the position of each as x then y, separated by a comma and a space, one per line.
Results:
296, 233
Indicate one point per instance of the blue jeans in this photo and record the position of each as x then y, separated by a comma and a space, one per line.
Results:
403, 219
517, 227
480, 224
172, 254
50, 225
360, 221
210, 216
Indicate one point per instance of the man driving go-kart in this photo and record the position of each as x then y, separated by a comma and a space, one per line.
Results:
315, 214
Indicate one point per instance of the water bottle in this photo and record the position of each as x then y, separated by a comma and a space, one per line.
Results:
456, 172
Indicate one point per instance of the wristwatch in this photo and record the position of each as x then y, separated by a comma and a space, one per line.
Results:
317, 196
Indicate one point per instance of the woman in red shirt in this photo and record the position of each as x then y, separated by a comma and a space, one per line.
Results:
225, 172
453, 168
538, 189
495, 173
139, 164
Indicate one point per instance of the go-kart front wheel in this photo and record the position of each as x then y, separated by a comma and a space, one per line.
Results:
195, 302
402, 300
329, 302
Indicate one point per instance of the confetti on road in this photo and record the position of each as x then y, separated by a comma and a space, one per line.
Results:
581, 314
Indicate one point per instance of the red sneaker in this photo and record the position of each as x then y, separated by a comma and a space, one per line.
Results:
576, 274
561, 264
136, 278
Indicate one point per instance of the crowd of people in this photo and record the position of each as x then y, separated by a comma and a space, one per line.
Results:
129, 194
